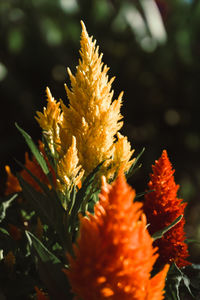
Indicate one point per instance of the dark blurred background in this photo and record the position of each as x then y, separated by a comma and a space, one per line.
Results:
153, 49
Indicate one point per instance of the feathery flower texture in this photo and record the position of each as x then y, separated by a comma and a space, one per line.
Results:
162, 207
84, 134
92, 118
114, 254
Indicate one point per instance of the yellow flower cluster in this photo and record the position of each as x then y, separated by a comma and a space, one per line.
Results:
67, 169
49, 121
91, 122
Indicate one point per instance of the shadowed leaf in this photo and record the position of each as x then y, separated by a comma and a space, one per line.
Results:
40, 159
160, 233
50, 270
5, 205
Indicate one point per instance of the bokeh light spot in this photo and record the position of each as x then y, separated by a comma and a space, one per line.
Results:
172, 117
69, 6
3, 71
52, 32
16, 14
192, 141
15, 40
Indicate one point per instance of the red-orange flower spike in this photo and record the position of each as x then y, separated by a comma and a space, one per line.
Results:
114, 254
162, 207
12, 183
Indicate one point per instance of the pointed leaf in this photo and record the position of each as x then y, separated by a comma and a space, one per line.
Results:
72, 198
160, 233
37, 200
43, 253
139, 195
5, 205
40, 159
81, 194
193, 272
192, 241
4, 231
176, 280
89, 179
133, 168
49, 207
51, 158
50, 270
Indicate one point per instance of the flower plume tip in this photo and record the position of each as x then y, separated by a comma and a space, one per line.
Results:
48, 92
83, 26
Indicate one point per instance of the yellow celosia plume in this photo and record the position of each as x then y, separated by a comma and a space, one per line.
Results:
92, 117
121, 155
49, 121
67, 169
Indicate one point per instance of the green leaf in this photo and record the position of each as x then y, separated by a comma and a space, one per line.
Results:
40, 159
193, 277
139, 195
52, 158
176, 281
161, 232
5, 205
4, 231
81, 195
72, 198
192, 241
50, 270
134, 166
27, 215
49, 207
44, 254
37, 200
90, 178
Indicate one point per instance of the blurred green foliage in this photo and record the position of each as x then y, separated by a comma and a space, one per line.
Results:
152, 47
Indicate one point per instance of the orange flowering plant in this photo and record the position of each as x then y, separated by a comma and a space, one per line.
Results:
71, 226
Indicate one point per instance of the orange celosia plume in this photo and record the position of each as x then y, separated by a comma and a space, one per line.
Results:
12, 183
114, 255
162, 207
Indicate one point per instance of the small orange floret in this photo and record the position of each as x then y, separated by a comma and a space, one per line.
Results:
15, 232
114, 255
162, 207
40, 295
12, 183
